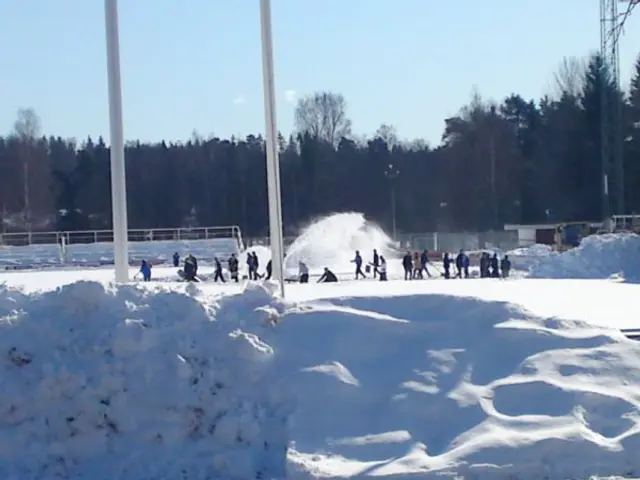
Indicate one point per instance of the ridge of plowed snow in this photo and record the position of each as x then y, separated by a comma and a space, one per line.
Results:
597, 257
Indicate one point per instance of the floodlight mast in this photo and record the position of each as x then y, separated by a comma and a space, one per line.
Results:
612, 23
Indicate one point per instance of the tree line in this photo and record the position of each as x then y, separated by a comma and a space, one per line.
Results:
515, 161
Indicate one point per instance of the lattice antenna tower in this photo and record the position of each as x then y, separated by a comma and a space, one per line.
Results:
612, 22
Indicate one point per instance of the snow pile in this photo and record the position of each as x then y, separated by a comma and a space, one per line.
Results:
129, 383
535, 250
429, 385
597, 257
525, 258
332, 241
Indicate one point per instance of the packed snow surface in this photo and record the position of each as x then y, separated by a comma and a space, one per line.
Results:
597, 257
401, 380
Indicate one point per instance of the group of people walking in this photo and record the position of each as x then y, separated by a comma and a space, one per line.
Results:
490, 266
378, 264
415, 265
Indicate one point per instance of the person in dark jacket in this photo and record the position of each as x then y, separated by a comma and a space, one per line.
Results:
484, 265
407, 264
256, 264
251, 267
375, 263
459, 264
269, 270
446, 263
190, 269
358, 261
505, 266
328, 277
176, 259
495, 272
233, 267
218, 272
194, 260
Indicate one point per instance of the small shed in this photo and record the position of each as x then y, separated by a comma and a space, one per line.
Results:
545, 233
542, 233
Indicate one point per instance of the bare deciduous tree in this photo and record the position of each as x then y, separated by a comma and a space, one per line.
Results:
27, 124
27, 129
323, 115
569, 78
388, 134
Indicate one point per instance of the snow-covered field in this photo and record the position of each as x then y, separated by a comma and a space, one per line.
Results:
527, 378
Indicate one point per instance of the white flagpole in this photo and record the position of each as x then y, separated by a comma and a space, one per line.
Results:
118, 180
273, 161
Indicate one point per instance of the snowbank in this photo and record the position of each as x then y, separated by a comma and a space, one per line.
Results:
130, 383
411, 386
597, 257
524, 258
148, 383
428, 385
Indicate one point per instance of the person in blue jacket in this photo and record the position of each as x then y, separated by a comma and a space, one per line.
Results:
145, 270
176, 259
424, 260
358, 261
465, 265
462, 265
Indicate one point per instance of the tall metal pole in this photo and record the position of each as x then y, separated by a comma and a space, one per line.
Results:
494, 189
273, 161
611, 129
492, 169
392, 173
393, 210
118, 182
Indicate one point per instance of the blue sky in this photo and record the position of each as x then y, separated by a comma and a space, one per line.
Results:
195, 64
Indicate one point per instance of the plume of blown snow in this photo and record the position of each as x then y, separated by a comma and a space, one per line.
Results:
332, 241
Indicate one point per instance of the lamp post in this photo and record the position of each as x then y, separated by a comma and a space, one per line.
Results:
273, 162
392, 173
118, 181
